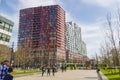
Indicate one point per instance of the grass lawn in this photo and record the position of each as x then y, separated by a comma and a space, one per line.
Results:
111, 74
18, 72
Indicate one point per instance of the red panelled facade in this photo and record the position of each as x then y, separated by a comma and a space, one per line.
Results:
42, 29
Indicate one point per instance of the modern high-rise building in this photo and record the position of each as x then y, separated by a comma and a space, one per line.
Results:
73, 37
75, 47
70, 40
78, 39
6, 27
43, 30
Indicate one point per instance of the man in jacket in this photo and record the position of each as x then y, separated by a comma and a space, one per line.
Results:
4, 69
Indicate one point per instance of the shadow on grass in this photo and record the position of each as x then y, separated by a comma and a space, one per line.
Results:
114, 78
108, 74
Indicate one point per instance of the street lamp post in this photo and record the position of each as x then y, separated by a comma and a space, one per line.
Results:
119, 55
119, 46
12, 54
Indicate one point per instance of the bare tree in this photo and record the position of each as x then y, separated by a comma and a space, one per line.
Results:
111, 50
112, 38
4, 53
23, 57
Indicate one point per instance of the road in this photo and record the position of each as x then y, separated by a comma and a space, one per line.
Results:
68, 75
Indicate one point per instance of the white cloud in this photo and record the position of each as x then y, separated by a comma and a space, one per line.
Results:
93, 47
69, 17
35, 3
102, 3
29, 3
89, 27
92, 36
90, 32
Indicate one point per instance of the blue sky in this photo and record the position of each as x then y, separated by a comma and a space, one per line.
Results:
88, 14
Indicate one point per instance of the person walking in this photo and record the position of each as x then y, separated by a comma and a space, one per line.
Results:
97, 70
53, 70
43, 70
48, 71
4, 69
9, 76
62, 68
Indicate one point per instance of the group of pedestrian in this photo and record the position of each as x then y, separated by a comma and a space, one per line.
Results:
48, 69
5, 71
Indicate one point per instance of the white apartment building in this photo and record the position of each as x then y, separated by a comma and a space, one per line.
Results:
73, 37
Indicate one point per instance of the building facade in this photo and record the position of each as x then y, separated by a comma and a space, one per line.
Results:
83, 48
6, 27
70, 40
43, 30
73, 37
75, 47
78, 39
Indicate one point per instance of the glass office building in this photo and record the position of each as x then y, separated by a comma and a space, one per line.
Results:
43, 30
6, 27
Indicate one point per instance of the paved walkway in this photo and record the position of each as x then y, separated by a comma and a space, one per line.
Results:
68, 75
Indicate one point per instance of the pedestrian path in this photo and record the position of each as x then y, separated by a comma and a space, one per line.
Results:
68, 75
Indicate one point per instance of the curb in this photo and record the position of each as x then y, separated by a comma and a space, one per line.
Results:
102, 76
21, 75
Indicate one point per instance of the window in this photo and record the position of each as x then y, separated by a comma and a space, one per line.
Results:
21, 40
4, 37
37, 54
10, 29
7, 38
52, 38
28, 32
22, 29
1, 23
54, 32
51, 33
6, 25
22, 14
